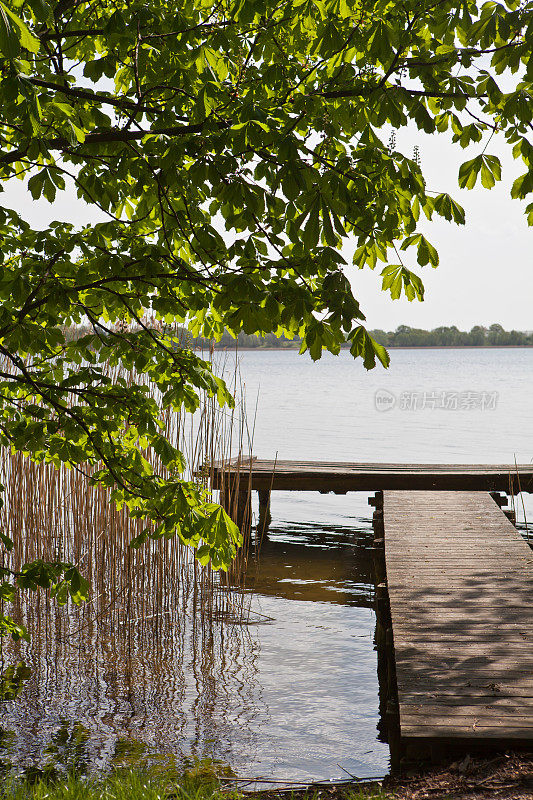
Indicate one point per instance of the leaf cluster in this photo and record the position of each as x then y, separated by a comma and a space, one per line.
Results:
233, 149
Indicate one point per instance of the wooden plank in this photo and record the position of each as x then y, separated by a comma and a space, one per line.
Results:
475, 696
346, 476
470, 734
460, 581
281, 465
446, 712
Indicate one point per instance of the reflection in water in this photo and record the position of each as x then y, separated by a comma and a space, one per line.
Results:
295, 693
180, 688
289, 692
317, 661
325, 564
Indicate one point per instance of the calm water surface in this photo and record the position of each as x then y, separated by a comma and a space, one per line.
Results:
293, 694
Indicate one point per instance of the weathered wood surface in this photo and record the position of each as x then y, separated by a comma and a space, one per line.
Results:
460, 583
325, 476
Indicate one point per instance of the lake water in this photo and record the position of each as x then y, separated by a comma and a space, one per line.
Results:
293, 694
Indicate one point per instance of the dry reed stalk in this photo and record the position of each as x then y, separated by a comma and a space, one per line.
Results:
53, 514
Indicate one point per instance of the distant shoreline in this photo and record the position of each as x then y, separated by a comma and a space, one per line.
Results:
396, 347
456, 347
403, 338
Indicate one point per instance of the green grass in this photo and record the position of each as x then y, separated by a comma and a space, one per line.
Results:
130, 785
118, 786
197, 782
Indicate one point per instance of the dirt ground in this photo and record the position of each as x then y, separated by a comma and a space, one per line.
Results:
508, 776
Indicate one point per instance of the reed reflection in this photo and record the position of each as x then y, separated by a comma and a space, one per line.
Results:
170, 661
180, 684
161, 646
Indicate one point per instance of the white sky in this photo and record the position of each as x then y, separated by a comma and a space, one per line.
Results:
486, 267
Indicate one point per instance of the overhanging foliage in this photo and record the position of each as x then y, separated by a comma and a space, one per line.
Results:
233, 147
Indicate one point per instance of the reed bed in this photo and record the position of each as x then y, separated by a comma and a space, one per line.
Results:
159, 629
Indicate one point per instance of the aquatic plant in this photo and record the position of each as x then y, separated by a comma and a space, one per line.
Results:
136, 578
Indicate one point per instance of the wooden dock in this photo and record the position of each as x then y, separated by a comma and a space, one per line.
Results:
325, 476
460, 586
238, 477
454, 629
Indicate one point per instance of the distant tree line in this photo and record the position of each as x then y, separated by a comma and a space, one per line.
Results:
403, 336
444, 336
252, 341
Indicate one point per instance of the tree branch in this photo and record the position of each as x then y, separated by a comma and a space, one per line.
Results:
54, 35
84, 94
360, 92
112, 135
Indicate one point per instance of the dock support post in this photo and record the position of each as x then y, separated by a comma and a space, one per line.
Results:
264, 511
236, 500
244, 509
377, 517
376, 500
502, 500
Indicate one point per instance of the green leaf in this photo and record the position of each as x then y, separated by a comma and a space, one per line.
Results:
327, 228
78, 588
9, 41
362, 344
203, 554
77, 134
41, 9
9, 626
140, 539
488, 166
449, 209
290, 186
427, 254
522, 186
7, 592
26, 39
468, 173
491, 171
312, 228
6, 541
